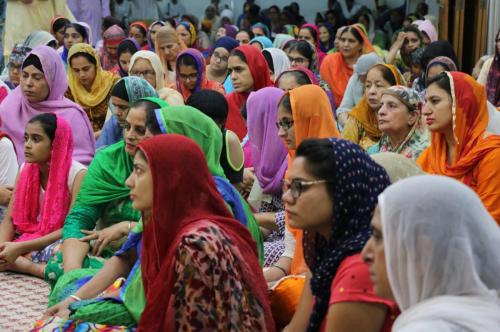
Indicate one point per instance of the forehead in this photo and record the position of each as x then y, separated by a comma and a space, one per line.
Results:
374, 74
80, 61
390, 98
243, 35
298, 169
71, 30
221, 51
142, 64
235, 61
435, 90
185, 69
32, 70
35, 128
137, 116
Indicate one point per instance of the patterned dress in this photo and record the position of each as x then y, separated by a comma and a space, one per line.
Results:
414, 144
274, 244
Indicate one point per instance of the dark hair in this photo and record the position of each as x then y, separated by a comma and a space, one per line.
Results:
152, 123
300, 77
109, 21
243, 111
313, 32
187, 60
211, 103
286, 103
354, 32
320, 158
249, 32
126, 46
239, 54
387, 74
305, 49
443, 82
438, 48
52, 44
48, 121
87, 56
60, 23
414, 29
269, 59
80, 29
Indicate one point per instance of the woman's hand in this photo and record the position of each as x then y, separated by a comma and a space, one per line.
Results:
5, 195
60, 310
247, 183
9, 251
400, 40
105, 236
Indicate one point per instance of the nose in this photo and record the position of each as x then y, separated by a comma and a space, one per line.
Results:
130, 181
382, 111
426, 109
282, 132
367, 253
287, 197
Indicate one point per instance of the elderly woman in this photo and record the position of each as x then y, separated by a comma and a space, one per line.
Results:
410, 240
399, 121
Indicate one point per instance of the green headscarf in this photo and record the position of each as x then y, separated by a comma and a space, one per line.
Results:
158, 101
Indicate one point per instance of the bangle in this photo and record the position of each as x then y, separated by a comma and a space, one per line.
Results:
74, 297
279, 267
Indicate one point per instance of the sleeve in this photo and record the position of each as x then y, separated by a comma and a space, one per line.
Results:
351, 131
81, 217
348, 101
289, 240
483, 74
488, 183
8, 162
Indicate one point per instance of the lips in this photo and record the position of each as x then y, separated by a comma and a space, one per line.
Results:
429, 121
131, 146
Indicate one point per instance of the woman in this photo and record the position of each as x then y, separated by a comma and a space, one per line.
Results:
249, 72
457, 116
125, 92
126, 49
260, 29
58, 27
337, 68
147, 65
226, 30
191, 76
429, 33
362, 125
281, 39
261, 42
463, 234
217, 69
408, 41
42, 87
168, 46
78, 32
295, 77
244, 36
310, 32
16, 58
277, 60
187, 33
326, 37
112, 38
153, 29
139, 31
438, 65
45, 190
89, 85
303, 53
399, 120
269, 159
323, 199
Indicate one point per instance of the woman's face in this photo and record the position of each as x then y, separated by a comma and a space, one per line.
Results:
219, 59
112, 50
305, 34
286, 129
349, 45
297, 59
324, 35
154, 30
137, 34
374, 85
434, 70
71, 37
15, 72
37, 144
34, 85
258, 32
243, 37
120, 109
394, 118
124, 60
312, 209
143, 68
184, 34
221, 32
374, 255
287, 82
412, 42
140, 183
257, 45
135, 129
425, 39
59, 35
84, 71
337, 41
170, 51
188, 75
241, 76
437, 109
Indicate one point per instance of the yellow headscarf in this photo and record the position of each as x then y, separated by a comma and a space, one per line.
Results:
103, 81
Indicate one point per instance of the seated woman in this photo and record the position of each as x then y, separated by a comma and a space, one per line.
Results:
456, 113
42, 87
310, 32
74, 33
58, 27
277, 60
152, 30
219, 240
217, 69
112, 37
303, 54
139, 31
323, 199
89, 85
168, 46
16, 58
269, 158
8, 170
126, 92
45, 190
214, 105
295, 77
399, 120
187, 33
362, 125
261, 42
147, 65
462, 234
191, 75
126, 49
408, 40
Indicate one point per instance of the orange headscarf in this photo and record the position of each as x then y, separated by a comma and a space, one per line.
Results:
367, 117
335, 71
312, 118
473, 144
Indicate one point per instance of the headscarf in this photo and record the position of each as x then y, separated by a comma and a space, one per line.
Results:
155, 62
194, 202
368, 117
84, 27
335, 71
19, 53
151, 42
428, 28
366, 62
280, 60
192, 31
260, 73
358, 182
307, 72
493, 80
38, 38
263, 41
428, 220
103, 81
142, 26
127, 45
231, 30
470, 120
437, 49
31, 220
281, 39
398, 167
112, 36
331, 41
225, 42
166, 35
320, 54
291, 30
16, 110
269, 155
53, 24
264, 28
202, 82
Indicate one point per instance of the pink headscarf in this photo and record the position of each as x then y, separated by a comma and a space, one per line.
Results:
321, 54
56, 199
429, 29
16, 110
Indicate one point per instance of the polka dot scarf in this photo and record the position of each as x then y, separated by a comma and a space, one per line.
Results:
358, 182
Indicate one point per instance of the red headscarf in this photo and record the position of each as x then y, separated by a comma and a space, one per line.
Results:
143, 27
182, 203
261, 79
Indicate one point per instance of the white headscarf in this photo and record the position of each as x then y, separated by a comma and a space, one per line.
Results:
280, 60
155, 63
442, 257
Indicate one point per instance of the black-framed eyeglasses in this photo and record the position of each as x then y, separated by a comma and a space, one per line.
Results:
297, 187
190, 77
284, 124
220, 58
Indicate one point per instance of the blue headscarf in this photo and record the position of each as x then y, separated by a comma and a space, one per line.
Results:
264, 27
226, 42
263, 41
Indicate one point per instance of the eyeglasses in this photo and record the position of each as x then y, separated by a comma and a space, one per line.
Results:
297, 187
146, 73
284, 124
220, 58
191, 77
299, 61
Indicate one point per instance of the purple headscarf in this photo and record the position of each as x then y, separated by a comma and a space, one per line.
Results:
269, 155
16, 110
231, 30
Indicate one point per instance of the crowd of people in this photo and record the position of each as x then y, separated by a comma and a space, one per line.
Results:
252, 173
